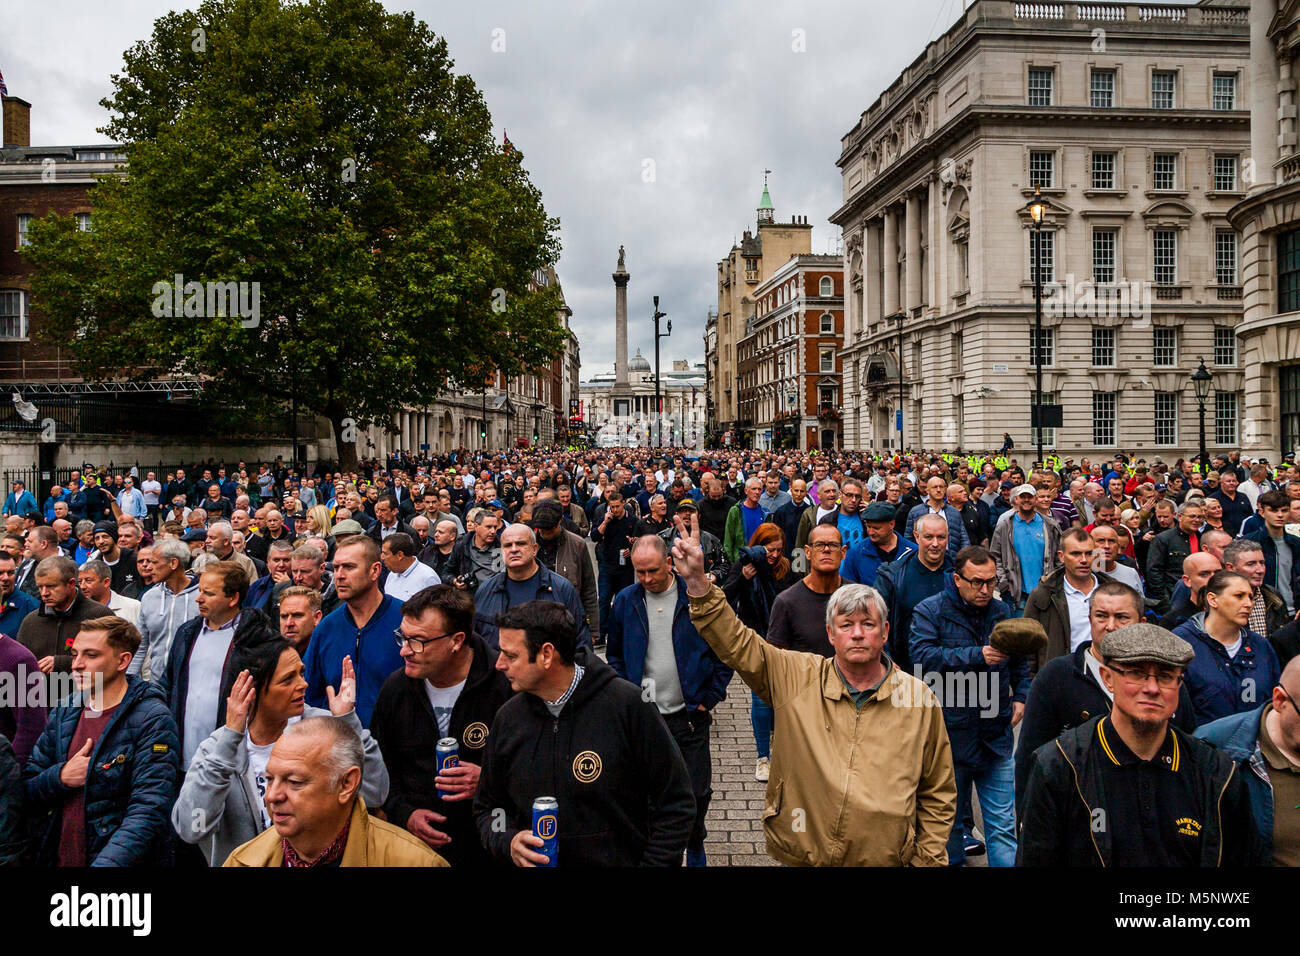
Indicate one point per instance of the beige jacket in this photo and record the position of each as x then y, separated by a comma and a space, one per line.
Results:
371, 842
847, 787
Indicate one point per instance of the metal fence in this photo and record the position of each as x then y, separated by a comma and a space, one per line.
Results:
128, 414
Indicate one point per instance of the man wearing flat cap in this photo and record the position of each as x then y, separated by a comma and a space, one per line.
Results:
881, 545
1126, 788
565, 553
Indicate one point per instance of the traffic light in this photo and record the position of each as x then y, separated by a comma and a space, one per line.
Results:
483, 434
534, 438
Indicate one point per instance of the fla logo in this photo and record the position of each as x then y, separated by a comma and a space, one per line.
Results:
587, 766
475, 735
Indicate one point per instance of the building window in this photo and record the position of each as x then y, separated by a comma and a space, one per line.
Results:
1225, 346
828, 396
1162, 89
1164, 247
1049, 434
24, 221
1042, 169
1103, 255
1048, 342
1225, 92
1288, 271
1103, 89
1103, 348
1225, 418
1164, 348
13, 314
1225, 173
827, 360
1163, 169
1042, 252
1225, 257
1289, 386
83, 222
828, 324
1103, 419
1040, 87
963, 264
958, 345
1166, 418
826, 287
1103, 170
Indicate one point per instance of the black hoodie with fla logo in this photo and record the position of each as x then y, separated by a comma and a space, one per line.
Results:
609, 759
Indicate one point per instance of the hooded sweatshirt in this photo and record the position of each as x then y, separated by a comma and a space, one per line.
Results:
608, 758
162, 612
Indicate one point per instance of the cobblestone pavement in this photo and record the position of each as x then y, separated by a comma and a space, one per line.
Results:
735, 821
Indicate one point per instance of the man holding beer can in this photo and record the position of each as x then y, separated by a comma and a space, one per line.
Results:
583, 735
440, 703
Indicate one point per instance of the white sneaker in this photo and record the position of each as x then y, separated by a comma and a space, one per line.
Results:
761, 769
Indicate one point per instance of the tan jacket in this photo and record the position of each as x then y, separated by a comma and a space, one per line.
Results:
847, 788
371, 842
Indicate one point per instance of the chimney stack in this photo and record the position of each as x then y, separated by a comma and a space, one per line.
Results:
18, 121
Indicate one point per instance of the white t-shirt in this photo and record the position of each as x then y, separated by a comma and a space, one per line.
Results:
203, 697
258, 755
1233, 648
151, 490
443, 701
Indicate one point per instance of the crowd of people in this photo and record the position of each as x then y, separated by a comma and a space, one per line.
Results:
391, 666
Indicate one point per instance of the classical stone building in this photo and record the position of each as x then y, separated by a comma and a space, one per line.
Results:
1131, 120
748, 263
788, 365
1269, 222
682, 389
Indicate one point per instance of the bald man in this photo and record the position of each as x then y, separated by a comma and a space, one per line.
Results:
1197, 569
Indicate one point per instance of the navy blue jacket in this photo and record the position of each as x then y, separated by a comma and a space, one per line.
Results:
863, 561
130, 786
259, 593
1220, 685
948, 638
903, 587
1270, 559
1238, 737
787, 518
490, 602
703, 676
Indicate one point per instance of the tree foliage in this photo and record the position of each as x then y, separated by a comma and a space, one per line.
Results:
327, 151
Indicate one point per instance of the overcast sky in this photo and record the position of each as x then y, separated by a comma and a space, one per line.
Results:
711, 92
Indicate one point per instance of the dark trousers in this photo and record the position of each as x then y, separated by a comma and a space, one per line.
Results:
611, 579
690, 728
151, 519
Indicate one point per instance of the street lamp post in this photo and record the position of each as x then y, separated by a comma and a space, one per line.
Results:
1036, 210
898, 414
1201, 379
659, 428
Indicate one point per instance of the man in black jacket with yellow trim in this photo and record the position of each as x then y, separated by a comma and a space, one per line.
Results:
449, 687
1127, 789
583, 735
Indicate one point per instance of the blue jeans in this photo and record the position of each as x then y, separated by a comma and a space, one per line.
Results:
762, 717
611, 579
996, 787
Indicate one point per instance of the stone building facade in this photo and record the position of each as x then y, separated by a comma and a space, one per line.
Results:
1132, 122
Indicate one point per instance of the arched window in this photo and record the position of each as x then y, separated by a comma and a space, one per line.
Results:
828, 323
826, 287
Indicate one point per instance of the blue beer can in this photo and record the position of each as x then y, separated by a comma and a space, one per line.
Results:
546, 825
448, 756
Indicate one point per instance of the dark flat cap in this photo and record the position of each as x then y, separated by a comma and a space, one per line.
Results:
1146, 642
194, 534
547, 514
879, 511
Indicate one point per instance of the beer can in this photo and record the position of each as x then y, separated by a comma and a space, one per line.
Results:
448, 756
546, 823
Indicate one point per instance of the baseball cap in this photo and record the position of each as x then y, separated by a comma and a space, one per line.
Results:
688, 504
1024, 490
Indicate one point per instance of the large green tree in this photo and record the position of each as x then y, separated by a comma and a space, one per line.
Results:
327, 151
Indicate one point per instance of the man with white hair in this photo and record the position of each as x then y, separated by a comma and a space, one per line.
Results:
863, 726
318, 819
165, 607
95, 581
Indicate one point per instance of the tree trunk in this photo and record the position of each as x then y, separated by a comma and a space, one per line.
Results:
346, 434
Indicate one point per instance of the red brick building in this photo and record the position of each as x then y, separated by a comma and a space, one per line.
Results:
788, 366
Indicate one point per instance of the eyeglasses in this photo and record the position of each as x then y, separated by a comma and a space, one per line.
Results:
980, 584
417, 644
825, 547
1135, 678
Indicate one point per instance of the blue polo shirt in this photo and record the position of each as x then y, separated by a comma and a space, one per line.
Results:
16, 607
1028, 538
373, 650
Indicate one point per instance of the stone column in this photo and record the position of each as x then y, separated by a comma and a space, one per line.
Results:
889, 263
621, 279
913, 251
1263, 95
871, 304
